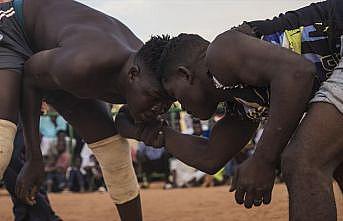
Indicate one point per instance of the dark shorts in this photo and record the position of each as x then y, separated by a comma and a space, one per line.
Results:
14, 47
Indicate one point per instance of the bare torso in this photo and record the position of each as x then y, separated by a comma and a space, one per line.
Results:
51, 24
78, 55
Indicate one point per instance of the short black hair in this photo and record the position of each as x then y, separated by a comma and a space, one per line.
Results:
151, 52
181, 50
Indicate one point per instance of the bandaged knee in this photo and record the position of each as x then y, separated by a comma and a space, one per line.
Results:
7, 135
115, 161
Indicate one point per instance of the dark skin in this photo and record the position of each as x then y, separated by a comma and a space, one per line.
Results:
232, 68
252, 62
311, 160
80, 62
252, 187
200, 153
10, 93
196, 93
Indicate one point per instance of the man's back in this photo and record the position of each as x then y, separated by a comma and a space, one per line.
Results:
50, 23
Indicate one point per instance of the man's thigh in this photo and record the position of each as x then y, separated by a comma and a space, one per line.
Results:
90, 118
10, 86
318, 140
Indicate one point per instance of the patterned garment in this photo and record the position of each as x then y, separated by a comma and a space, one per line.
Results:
314, 32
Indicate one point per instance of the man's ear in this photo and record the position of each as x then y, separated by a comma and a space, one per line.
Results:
185, 73
133, 73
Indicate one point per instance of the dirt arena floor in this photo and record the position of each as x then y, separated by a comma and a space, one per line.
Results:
198, 204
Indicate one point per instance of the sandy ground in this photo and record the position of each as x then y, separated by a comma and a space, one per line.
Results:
198, 204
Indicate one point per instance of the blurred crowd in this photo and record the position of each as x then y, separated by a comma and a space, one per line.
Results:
157, 164
71, 165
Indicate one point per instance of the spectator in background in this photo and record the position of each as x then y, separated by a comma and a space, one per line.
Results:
98, 179
91, 171
153, 160
49, 125
87, 165
197, 127
76, 180
78, 147
182, 174
57, 166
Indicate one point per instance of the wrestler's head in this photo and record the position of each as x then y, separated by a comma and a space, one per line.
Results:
185, 75
145, 95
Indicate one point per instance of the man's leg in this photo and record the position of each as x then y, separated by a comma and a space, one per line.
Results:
10, 84
72, 181
50, 181
80, 180
42, 210
309, 162
165, 166
93, 121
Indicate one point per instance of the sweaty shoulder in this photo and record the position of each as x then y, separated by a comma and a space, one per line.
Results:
52, 23
223, 56
234, 57
95, 51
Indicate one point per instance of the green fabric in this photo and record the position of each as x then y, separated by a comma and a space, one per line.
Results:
18, 8
219, 176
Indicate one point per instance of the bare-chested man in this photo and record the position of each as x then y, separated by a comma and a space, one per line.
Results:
258, 70
74, 57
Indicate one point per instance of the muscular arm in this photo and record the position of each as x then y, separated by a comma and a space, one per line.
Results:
31, 105
36, 79
227, 138
237, 58
47, 70
34, 82
32, 174
62, 68
79, 68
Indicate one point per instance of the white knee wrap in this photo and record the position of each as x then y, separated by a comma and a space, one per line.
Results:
7, 135
114, 157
